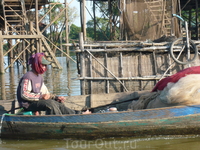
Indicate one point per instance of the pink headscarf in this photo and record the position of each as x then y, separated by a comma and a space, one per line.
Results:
35, 62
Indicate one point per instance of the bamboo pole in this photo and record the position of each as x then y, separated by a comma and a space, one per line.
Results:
140, 69
121, 44
110, 19
137, 49
12, 82
82, 63
67, 31
91, 75
37, 25
121, 68
24, 56
11, 49
2, 75
106, 74
21, 52
153, 77
21, 36
1, 54
84, 20
95, 22
154, 62
3, 89
32, 48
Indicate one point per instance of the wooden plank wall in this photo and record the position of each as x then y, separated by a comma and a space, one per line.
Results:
119, 67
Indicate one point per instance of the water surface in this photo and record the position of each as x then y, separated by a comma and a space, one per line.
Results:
153, 143
60, 82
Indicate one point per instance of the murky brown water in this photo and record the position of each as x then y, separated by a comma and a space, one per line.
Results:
62, 82
155, 143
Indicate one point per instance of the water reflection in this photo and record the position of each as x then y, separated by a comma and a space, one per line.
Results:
153, 143
3, 89
60, 82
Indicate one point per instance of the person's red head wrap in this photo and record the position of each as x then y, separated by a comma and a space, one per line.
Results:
37, 61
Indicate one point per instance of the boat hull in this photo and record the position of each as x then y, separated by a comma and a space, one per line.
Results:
182, 120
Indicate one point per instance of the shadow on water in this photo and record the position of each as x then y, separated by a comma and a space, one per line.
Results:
60, 82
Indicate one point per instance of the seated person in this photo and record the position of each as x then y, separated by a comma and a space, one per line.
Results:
33, 95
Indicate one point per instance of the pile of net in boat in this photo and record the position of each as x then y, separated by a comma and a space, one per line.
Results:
184, 92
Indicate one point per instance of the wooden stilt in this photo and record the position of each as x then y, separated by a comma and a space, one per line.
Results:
1, 55
82, 63
106, 73
121, 69
91, 87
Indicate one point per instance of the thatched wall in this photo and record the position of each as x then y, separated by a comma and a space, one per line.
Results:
118, 67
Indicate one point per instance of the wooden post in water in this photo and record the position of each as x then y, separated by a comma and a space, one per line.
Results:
24, 57
37, 26
2, 75
3, 89
82, 62
95, 22
67, 47
106, 73
12, 83
32, 47
66, 30
83, 18
90, 70
1, 54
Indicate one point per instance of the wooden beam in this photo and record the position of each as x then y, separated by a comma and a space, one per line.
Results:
21, 36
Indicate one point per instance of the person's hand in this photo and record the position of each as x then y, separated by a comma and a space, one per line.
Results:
60, 99
25, 104
45, 96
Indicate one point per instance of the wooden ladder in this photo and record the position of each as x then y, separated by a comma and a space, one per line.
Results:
16, 22
49, 53
46, 49
158, 10
14, 16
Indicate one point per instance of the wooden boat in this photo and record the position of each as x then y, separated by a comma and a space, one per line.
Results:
178, 120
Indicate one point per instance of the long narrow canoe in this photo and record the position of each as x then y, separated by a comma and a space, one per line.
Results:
179, 120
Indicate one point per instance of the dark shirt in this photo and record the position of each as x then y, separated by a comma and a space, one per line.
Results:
25, 95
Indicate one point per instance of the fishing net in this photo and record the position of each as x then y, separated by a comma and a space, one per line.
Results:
148, 19
184, 92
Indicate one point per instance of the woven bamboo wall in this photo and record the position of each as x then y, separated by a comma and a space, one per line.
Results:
118, 68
